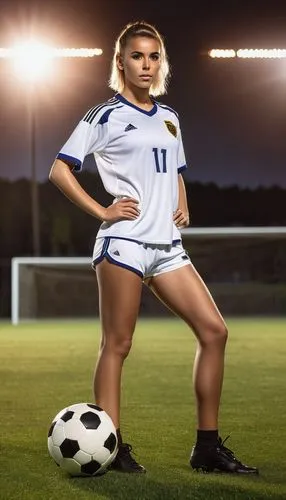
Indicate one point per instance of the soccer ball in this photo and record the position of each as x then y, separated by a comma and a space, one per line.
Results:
82, 440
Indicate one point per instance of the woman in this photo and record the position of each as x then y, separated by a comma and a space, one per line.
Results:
138, 149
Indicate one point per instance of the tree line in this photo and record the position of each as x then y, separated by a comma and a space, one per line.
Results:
66, 230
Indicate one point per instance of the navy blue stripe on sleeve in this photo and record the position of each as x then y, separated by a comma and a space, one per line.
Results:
181, 169
70, 160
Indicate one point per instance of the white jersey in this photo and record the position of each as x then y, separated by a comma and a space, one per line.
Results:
138, 154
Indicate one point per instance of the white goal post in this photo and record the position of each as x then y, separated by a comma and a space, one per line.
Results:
235, 231
17, 262
24, 289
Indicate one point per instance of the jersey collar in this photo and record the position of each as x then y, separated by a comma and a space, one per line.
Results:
148, 113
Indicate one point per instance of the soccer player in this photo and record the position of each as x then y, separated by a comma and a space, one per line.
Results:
137, 144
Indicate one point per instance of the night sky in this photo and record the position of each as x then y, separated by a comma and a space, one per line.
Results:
233, 113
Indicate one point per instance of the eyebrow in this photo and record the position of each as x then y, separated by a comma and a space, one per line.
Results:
141, 53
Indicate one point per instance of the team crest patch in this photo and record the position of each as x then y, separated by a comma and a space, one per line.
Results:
171, 127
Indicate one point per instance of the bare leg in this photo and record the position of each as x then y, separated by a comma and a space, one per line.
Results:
119, 301
185, 293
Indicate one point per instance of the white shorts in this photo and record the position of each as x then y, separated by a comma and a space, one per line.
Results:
144, 259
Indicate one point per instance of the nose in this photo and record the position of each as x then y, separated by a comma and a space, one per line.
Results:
146, 63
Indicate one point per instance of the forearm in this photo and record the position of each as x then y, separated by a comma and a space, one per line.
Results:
183, 202
181, 216
63, 178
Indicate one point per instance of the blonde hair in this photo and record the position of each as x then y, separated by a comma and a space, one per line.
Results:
140, 28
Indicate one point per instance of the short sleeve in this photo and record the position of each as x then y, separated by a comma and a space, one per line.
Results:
181, 154
86, 138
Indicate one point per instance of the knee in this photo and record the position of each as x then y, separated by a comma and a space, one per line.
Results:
214, 334
123, 347
118, 345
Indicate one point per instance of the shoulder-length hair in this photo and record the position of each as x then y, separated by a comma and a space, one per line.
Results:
140, 28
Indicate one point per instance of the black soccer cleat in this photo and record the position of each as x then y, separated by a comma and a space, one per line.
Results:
218, 458
124, 462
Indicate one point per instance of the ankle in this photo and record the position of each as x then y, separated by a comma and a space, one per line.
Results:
119, 437
207, 437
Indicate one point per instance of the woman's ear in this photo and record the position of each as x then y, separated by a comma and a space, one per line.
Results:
119, 61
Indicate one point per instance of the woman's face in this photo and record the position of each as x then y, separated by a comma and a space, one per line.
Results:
140, 62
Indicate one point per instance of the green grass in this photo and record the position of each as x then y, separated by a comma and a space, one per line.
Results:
47, 366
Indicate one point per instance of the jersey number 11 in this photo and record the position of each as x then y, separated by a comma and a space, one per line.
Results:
163, 167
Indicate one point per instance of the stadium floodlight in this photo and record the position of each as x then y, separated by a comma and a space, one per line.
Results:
262, 53
220, 53
49, 51
32, 61
247, 53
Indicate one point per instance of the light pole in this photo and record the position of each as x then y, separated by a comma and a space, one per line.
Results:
35, 211
32, 60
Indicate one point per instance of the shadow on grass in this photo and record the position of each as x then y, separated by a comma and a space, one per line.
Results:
118, 486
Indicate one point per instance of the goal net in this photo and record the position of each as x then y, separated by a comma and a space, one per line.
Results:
244, 268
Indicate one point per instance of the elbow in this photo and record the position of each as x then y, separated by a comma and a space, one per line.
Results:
55, 176
52, 175
59, 173
55, 172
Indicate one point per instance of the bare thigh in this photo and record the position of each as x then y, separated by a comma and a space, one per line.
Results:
185, 293
119, 298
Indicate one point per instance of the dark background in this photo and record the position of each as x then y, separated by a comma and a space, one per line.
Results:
232, 114
232, 111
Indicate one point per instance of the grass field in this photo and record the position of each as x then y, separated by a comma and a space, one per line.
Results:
47, 366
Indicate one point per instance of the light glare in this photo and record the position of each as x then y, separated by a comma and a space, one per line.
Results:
248, 53
222, 53
50, 52
33, 60
262, 53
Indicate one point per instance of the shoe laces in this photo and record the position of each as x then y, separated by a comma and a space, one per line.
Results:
226, 450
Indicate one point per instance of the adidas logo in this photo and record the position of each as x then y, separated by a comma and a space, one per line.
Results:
116, 252
129, 127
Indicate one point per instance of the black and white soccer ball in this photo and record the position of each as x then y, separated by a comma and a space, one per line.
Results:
82, 440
